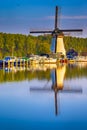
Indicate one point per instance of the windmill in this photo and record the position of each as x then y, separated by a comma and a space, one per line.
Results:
57, 34
57, 77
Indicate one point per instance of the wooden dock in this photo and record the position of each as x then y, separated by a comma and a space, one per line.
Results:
17, 63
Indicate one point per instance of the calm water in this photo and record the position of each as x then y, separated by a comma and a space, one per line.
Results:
42, 98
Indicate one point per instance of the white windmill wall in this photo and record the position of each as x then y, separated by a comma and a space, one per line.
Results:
60, 45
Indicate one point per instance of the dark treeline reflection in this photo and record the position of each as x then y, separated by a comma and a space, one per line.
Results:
23, 75
72, 71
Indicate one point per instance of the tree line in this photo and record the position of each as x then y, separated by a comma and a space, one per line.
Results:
22, 45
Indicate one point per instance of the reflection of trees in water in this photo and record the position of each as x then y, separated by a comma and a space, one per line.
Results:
23, 75
74, 71
71, 72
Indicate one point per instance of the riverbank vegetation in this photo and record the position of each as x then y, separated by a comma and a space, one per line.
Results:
23, 45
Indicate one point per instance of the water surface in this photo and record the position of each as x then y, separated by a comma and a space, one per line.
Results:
44, 98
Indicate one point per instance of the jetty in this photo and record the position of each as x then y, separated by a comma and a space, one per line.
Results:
13, 61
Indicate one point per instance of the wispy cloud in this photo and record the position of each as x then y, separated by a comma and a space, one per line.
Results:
68, 17
74, 17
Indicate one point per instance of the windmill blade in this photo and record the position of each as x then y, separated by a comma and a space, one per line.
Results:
56, 104
72, 90
71, 30
59, 17
64, 90
40, 31
56, 17
40, 89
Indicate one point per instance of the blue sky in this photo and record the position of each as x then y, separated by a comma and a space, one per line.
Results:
21, 16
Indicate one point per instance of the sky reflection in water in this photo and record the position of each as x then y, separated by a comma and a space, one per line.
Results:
30, 104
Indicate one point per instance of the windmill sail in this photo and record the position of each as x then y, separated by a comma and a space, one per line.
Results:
56, 17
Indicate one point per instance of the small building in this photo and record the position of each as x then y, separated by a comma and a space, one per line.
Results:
71, 54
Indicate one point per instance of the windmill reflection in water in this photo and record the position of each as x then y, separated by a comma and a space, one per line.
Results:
57, 77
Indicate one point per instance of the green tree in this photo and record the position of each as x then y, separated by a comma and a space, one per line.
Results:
1, 45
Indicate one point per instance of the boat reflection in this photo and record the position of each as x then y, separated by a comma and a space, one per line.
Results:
57, 78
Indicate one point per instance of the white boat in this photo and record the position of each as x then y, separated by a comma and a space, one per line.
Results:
49, 61
81, 59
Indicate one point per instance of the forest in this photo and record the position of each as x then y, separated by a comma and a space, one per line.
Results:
23, 45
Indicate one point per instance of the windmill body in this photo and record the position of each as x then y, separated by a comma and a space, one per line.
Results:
57, 45
60, 45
